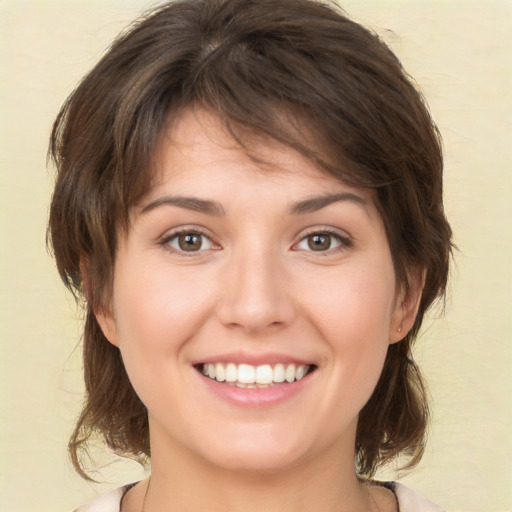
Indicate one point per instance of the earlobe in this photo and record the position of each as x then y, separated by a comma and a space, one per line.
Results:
107, 323
104, 316
407, 305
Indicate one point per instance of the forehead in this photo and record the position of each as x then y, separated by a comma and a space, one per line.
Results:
197, 149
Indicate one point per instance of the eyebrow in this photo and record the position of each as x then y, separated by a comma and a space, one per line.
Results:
207, 207
314, 204
190, 203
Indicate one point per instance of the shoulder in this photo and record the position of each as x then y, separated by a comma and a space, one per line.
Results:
410, 501
109, 502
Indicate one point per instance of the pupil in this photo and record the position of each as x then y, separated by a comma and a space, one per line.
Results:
190, 242
319, 242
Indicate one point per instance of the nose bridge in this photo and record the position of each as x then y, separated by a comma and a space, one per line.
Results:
256, 294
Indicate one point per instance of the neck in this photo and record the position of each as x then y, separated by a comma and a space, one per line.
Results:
182, 481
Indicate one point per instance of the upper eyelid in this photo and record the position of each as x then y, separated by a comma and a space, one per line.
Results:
336, 232
171, 233
166, 240
341, 233
345, 239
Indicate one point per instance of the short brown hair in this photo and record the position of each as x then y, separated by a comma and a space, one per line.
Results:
249, 61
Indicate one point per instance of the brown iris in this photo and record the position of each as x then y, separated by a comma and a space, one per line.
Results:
190, 242
319, 242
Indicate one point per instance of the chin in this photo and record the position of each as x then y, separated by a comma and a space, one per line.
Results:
256, 461
255, 452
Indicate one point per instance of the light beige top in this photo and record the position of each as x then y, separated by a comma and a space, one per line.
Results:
408, 500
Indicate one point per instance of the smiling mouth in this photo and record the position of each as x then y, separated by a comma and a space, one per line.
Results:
249, 376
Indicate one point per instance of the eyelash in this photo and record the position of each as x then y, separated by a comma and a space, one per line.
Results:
344, 242
166, 241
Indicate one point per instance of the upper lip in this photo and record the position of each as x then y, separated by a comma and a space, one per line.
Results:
253, 359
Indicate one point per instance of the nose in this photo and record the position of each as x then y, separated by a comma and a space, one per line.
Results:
256, 293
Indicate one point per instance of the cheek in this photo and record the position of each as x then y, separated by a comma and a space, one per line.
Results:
153, 304
358, 307
354, 321
156, 314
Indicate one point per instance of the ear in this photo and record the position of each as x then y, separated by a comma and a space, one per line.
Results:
107, 323
104, 314
406, 305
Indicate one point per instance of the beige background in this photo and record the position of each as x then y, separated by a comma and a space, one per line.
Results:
460, 54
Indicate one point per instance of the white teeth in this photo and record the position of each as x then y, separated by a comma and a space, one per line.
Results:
220, 374
231, 372
289, 373
278, 373
264, 374
248, 376
299, 373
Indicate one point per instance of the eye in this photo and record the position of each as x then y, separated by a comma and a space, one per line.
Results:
322, 241
189, 241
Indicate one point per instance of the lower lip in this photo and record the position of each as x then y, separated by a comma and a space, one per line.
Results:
256, 397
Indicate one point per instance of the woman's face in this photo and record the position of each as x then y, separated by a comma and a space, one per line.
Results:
255, 277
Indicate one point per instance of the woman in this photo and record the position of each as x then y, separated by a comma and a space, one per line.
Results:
249, 198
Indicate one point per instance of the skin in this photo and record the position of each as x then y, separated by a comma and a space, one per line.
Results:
253, 288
